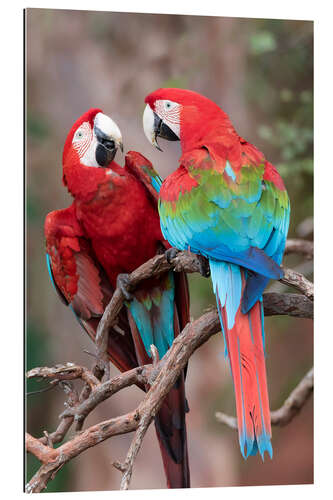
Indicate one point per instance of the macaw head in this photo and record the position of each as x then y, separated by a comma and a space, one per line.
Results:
184, 115
93, 140
89, 150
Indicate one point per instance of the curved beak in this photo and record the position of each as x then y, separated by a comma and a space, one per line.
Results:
154, 127
108, 138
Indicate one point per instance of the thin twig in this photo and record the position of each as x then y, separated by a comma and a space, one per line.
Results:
134, 450
65, 423
304, 247
295, 401
290, 408
160, 376
67, 371
105, 390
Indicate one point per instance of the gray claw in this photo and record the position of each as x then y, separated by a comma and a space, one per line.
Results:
171, 253
124, 284
204, 268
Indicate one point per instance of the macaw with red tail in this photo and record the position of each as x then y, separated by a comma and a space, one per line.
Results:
227, 203
111, 228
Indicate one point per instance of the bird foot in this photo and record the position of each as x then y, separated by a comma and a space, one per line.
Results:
171, 253
123, 283
204, 268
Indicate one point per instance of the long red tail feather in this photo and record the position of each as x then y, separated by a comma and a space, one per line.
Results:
243, 334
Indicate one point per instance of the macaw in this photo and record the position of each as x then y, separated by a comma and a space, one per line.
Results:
226, 202
111, 228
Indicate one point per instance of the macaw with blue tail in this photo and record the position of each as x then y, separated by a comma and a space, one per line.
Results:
227, 203
111, 228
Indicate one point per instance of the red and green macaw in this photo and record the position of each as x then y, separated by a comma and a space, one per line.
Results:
226, 202
111, 228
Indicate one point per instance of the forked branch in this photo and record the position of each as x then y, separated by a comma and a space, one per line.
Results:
160, 376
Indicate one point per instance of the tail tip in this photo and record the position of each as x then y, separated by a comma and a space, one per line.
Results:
264, 444
251, 446
268, 447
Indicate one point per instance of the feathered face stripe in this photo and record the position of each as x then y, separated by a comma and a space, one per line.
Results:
169, 112
82, 139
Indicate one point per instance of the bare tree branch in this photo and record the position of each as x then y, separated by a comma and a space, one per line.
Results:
55, 459
67, 371
295, 401
65, 422
189, 263
304, 247
291, 304
161, 375
166, 373
140, 433
290, 408
298, 281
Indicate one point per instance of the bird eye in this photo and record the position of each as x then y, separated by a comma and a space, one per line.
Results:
79, 134
170, 105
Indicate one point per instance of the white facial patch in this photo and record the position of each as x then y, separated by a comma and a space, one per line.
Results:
82, 138
89, 158
85, 143
169, 112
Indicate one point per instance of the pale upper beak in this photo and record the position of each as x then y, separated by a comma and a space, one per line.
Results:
149, 126
109, 128
109, 139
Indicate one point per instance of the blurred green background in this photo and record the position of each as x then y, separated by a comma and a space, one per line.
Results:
261, 73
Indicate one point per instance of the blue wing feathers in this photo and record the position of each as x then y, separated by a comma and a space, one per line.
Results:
156, 183
156, 322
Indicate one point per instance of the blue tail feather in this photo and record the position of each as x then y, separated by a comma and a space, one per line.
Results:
227, 283
156, 322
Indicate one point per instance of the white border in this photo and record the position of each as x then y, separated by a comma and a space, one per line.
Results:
11, 240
